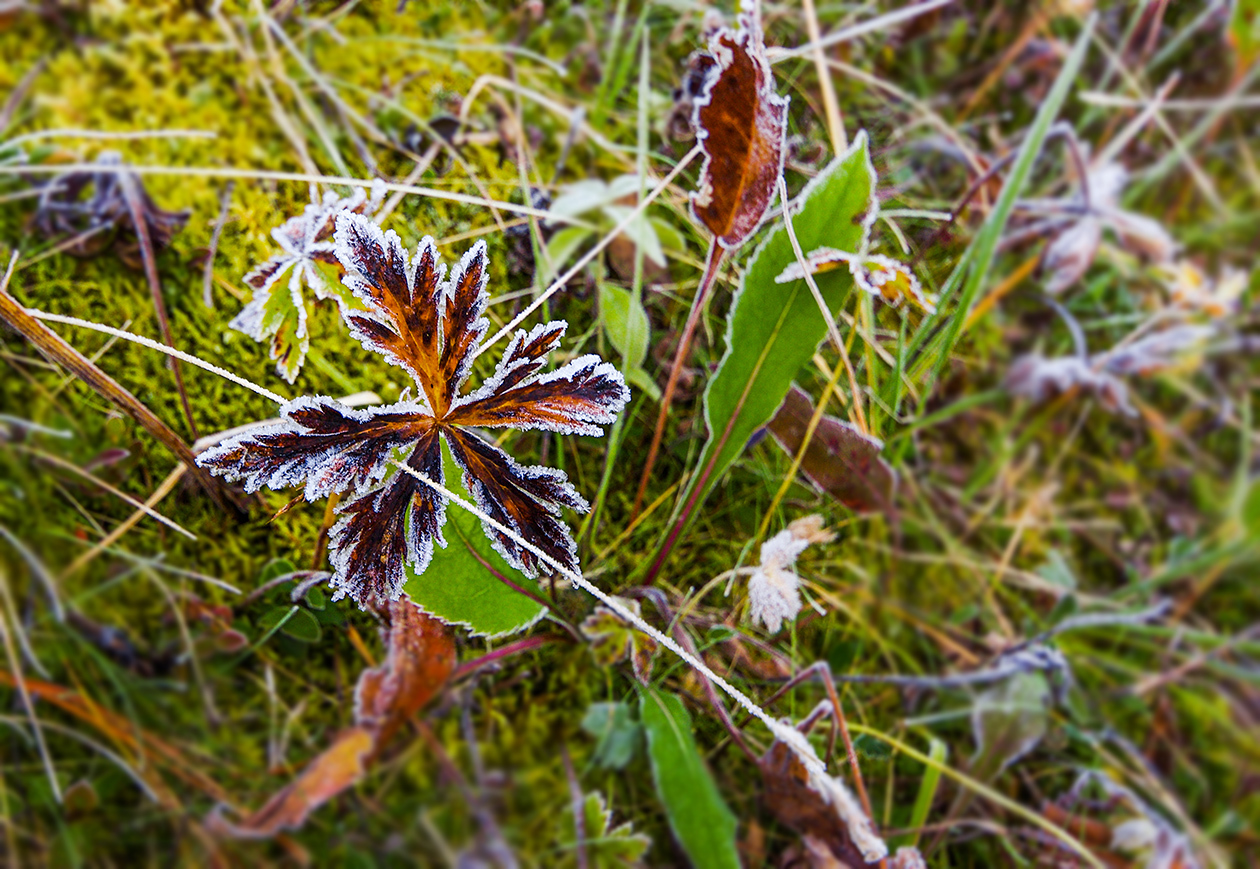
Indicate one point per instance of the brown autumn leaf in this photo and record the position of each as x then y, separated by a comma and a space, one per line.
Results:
430, 328
818, 807
420, 657
840, 460
741, 124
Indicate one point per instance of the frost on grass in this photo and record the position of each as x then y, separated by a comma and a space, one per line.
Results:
883, 277
277, 312
430, 327
741, 124
774, 589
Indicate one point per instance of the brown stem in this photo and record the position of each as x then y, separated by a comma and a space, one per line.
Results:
55, 348
716, 252
130, 192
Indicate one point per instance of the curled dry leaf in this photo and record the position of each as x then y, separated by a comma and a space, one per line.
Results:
1037, 378
429, 327
419, 659
818, 806
1072, 250
1066, 259
612, 639
741, 124
277, 312
883, 277
840, 460
103, 217
774, 588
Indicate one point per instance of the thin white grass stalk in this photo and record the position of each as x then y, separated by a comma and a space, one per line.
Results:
781, 731
245, 48
1181, 150
1219, 104
272, 175
847, 33
13, 721
107, 135
15, 666
559, 283
97, 481
451, 45
832, 330
1150, 110
161, 348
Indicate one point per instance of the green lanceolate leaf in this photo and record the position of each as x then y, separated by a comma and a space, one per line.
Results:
774, 329
625, 322
460, 585
702, 822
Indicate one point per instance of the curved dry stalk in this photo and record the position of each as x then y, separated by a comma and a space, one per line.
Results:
830, 320
55, 348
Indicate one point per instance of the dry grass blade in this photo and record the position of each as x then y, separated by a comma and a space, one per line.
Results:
55, 349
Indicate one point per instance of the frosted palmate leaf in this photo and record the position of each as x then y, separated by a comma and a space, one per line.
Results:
430, 327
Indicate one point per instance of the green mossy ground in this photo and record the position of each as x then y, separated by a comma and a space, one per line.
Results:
1117, 501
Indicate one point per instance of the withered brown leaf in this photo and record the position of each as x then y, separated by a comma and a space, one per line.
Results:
741, 124
420, 657
818, 806
429, 327
839, 460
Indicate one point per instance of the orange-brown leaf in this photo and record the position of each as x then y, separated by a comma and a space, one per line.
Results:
420, 656
839, 460
420, 660
339, 767
742, 125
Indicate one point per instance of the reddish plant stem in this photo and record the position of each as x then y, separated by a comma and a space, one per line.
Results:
498, 654
712, 263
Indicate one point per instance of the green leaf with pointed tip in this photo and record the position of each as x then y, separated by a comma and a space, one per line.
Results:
460, 586
702, 822
625, 322
774, 329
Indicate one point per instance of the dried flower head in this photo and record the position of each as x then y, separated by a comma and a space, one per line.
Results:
429, 327
1037, 378
1190, 289
1073, 248
774, 588
277, 315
